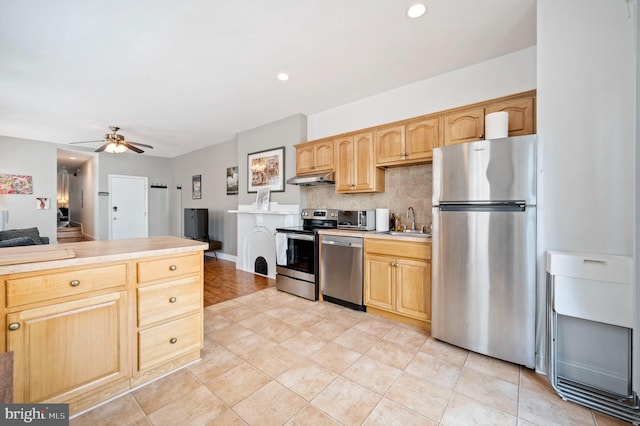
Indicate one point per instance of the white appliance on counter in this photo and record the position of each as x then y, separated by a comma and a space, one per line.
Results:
484, 247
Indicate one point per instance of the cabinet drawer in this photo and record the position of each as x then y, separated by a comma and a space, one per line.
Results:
21, 291
167, 341
398, 248
163, 301
170, 267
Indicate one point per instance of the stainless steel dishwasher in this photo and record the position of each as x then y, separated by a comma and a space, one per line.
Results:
341, 271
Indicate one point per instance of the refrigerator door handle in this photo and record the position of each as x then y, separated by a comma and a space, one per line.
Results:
483, 207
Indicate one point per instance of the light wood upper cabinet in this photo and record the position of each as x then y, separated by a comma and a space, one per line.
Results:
410, 143
421, 137
390, 145
355, 166
464, 126
314, 157
520, 114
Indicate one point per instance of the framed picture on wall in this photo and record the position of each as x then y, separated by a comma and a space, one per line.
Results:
265, 169
196, 187
232, 180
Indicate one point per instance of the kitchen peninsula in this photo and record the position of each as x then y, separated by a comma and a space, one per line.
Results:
90, 320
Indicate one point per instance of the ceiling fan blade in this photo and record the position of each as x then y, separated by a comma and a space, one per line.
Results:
72, 143
101, 148
132, 148
140, 144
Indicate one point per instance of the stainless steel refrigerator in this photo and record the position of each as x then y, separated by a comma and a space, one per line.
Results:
484, 247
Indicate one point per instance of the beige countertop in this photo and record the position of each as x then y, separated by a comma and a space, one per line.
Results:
373, 234
88, 252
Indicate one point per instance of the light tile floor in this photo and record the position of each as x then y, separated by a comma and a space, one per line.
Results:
271, 358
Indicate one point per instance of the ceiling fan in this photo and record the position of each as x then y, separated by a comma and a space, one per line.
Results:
116, 143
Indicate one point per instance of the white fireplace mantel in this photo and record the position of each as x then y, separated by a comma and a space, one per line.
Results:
256, 233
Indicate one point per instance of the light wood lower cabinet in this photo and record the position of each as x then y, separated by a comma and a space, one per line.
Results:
83, 334
65, 350
397, 279
170, 309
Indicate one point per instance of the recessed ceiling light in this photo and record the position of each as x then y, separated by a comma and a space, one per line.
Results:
283, 76
72, 158
416, 11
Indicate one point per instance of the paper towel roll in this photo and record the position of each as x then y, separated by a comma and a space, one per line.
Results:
382, 220
496, 125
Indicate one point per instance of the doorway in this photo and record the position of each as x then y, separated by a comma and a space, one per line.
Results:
128, 205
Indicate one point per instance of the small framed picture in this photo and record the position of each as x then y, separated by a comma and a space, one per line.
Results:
262, 199
42, 203
266, 170
232, 180
196, 187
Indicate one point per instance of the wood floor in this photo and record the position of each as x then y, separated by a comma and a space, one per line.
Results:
222, 281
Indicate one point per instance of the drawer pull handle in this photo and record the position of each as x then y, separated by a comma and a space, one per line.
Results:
173, 300
74, 283
173, 267
173, 340
14, 326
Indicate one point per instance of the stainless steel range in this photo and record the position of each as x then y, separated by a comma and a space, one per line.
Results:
297, 252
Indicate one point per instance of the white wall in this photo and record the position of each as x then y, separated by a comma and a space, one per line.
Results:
505, 75
586, 124
636, 335
36, 159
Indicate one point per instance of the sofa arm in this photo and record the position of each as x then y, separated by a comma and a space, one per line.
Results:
18, 241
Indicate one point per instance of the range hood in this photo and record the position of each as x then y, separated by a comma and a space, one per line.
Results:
315, 179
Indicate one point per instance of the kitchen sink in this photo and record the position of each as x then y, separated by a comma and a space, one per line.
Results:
409, 233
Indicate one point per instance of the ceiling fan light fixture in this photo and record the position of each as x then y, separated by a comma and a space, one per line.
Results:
115, 148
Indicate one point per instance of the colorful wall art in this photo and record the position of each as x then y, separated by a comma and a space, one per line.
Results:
16, 184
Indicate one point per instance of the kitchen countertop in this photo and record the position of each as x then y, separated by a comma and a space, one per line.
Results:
373, 234
88, 252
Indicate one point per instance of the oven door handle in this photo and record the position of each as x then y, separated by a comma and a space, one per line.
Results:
292, 236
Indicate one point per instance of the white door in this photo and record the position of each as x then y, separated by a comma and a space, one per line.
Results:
128, 216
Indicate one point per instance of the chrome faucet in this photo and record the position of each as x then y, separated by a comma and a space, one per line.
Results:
413, 221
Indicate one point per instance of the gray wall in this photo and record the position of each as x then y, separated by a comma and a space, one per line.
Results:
156, 169
36, 159
211, 163
286, 132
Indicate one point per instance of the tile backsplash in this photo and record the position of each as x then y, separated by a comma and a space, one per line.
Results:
404, 187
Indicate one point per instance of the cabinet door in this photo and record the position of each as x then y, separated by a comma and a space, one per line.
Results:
64, 350
421, 137
390, 145
413, 288
378, 279
344, 164
323, 156
364, 163
464, 126
304, 159
521, 115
